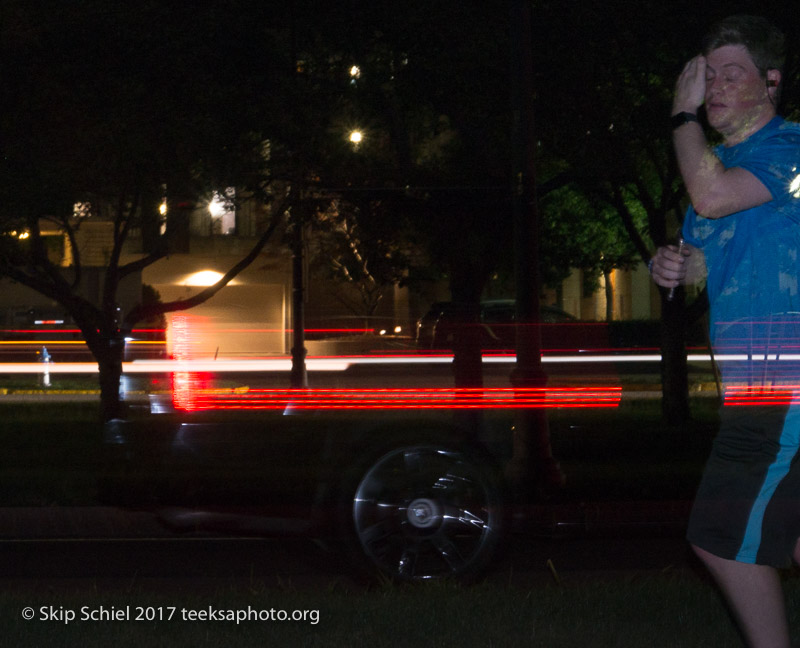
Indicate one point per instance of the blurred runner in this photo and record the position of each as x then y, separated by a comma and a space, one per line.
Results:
742, 234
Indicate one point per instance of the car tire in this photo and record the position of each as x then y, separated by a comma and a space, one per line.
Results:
423, 511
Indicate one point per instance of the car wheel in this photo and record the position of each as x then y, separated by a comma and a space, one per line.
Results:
424, 512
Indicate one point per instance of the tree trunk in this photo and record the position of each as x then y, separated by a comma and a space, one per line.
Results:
299, 376
609, 288
109, 363
467, 279
467, 357
466, 284
532, 469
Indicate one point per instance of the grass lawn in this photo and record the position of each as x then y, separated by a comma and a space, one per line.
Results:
50, 454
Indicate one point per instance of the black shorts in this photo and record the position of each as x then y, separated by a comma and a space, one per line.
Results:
748, 504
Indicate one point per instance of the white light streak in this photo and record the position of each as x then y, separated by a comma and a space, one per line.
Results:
339, 363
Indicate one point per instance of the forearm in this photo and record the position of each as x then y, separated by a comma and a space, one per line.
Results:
715, 191
701, 170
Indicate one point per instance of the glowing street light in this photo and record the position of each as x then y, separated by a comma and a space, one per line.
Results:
356, 137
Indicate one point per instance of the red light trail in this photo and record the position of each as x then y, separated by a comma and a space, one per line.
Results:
187, 398
753, 396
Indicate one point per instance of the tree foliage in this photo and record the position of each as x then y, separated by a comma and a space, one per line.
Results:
361, 248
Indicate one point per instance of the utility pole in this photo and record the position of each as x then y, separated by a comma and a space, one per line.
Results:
532, 465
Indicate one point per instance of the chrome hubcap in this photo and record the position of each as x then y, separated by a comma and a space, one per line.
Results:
424, 513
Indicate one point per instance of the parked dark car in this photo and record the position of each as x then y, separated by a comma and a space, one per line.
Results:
405, 495
410, 496
497, 330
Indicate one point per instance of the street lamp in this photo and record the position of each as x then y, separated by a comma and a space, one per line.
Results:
356, 137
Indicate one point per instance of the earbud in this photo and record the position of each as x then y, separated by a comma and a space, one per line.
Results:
771, 83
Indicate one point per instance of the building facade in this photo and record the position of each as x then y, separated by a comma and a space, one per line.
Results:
252, 316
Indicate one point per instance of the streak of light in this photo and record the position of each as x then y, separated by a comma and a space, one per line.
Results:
71, 331
416, 399
39, 342
329, 363
745, 395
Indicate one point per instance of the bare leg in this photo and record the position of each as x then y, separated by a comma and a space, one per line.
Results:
756, 597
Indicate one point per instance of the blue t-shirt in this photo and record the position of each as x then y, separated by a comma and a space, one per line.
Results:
753, 260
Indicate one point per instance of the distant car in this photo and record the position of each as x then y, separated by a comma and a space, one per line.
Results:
426, 325
497, 328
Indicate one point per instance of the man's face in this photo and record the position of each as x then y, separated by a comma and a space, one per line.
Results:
736, 94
